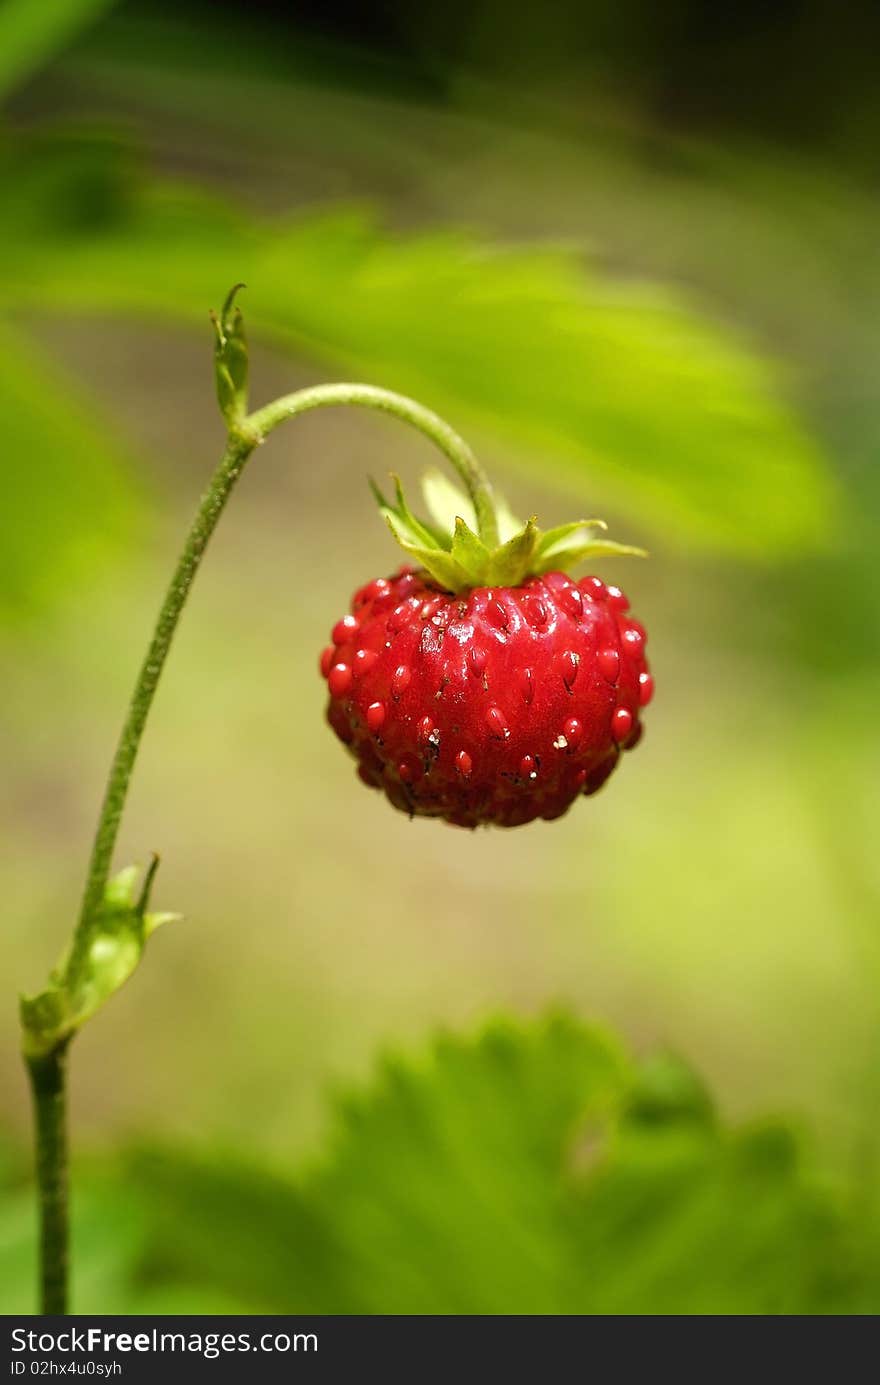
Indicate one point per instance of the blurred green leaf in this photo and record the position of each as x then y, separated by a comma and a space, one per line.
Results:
612, 386
108, 1235
451, 1170
68, 501
532, 1170
33, 31
247, 1234
609, 385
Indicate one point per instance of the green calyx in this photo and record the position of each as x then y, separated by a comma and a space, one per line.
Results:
452, 548
231, 360
82, 982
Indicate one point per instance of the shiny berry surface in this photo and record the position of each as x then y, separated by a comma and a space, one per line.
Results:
501, 705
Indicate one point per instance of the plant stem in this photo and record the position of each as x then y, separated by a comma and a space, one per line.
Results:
48, 1090
242, 441
47, 1067
456, 449
211, 507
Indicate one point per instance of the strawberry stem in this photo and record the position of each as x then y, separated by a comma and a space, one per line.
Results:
244, 437
45, 1038
479, 487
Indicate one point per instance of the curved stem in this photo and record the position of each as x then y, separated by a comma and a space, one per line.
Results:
243, 438
211, 507
432, 425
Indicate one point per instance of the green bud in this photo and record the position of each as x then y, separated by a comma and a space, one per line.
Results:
116, 940
231, 360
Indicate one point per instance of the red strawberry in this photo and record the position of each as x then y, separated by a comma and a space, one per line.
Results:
486, 685
496, 704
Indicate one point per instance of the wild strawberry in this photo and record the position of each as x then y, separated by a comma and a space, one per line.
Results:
487, 701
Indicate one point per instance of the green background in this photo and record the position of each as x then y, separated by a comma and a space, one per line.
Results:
663, 311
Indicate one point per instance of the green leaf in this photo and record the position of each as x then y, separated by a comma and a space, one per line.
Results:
613, 386
230, 1229
34, 31
468, 549
442, 566
405, 522
465, 561
423, 533
537, 1170
158, 920
513, 560
69, 502
430, 550
533, 1169
551, 538
567, 556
